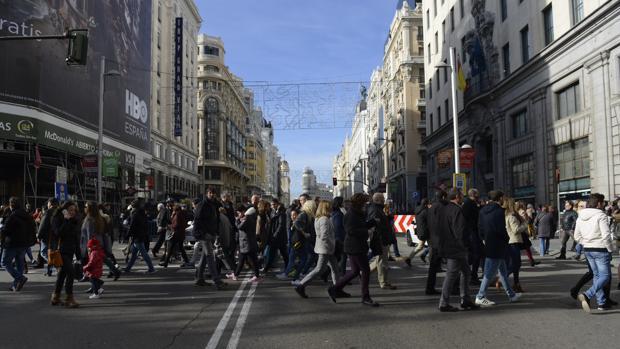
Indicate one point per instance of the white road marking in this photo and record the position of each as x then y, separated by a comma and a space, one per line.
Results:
217, 334
243, 316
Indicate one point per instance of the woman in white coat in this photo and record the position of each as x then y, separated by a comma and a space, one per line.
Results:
324, 246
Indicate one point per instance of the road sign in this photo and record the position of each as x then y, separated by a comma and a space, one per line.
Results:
459, 180
403, 222
416, 195
61, 191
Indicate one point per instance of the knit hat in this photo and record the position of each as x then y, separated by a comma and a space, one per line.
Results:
93, 244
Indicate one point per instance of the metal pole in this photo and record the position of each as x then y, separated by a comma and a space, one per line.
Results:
100, 135
455, 117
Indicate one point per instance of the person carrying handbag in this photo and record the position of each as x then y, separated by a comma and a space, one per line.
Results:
66, 231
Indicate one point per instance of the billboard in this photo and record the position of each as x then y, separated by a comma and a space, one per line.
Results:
34, 73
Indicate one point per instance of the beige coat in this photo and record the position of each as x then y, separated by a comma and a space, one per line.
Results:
515, 228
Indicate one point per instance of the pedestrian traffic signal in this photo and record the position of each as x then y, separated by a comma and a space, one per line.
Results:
335, 181
78, 47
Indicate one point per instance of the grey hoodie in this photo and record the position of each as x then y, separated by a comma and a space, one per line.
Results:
592, 229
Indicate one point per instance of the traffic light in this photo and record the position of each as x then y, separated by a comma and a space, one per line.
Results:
78, 47
335, 181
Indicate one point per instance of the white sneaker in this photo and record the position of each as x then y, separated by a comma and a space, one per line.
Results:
255, 279
231, 276
484, 302
100, 291
516, 297
93, 296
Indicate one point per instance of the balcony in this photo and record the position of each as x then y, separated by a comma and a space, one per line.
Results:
420, 102
422, 124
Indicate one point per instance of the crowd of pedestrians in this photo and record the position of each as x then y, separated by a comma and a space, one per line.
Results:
478, 243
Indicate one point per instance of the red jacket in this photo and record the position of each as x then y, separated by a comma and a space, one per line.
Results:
179, 224
94, 268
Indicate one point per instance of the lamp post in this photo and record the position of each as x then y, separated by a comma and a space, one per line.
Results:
455, 118
102, 75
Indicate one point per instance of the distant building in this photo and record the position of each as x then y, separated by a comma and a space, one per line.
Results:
310, 186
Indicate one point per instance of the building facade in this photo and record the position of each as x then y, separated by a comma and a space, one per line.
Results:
222, 114
49, 111
385, 148
542, 99
174, 170
285, 183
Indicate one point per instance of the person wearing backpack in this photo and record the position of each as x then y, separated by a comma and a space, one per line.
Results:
17, 235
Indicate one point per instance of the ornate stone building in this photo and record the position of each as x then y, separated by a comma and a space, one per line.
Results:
222, 113
542, 99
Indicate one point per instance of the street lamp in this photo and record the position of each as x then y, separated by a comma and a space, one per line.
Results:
455, 118
102, 75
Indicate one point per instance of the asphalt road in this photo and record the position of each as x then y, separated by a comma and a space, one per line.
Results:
165, 310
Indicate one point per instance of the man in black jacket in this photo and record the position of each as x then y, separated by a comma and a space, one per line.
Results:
279, 235
17, 234
492, 227
471, 210
451, 245
45, 231
206, 230
138, 231
433, 225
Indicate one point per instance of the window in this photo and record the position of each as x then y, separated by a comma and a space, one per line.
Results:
573, 159
445, 72
462, 8
439, 116
210, 50
428, 18
525, 44
452, 19
437, 73
447, 108
436, 42
523, 171
577, 11
159, 11
430, 88
432, 124
519, 124
422, 92
506, 59
212, 68
568, 101
463, 51
429, 53
443, 31
434, 8
420, 34
548, 23
504, 9
158, 39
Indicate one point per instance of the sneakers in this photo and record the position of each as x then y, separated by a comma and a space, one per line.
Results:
585, 302
152, 271
296, 283
254, 279
604, 307
408, 262
388, 286
332, 293
301, 291
448, 309
283, 277
94, 296
469, 305
515, 298
20, 283
484, 302
188, 266
369, 302
231, 276
342, 294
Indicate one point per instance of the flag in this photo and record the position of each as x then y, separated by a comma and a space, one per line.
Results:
462, 83
37, 157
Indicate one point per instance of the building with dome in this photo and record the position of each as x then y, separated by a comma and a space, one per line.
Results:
285, 183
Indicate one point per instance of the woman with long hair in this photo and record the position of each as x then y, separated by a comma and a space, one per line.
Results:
66, 239
516, 227
527, 243
304, 232
325, 247
356, 247
93, 227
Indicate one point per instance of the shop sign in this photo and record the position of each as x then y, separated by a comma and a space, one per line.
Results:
61, 174
444, 158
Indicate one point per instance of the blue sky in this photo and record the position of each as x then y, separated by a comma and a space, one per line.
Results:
301, 42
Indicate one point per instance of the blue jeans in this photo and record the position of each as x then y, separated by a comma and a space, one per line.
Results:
43, 251
293, 254
600, 262
18, 254
579, 250
135, 248
491, 267
396, 250
544, 246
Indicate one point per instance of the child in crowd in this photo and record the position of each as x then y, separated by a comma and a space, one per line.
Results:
94, 268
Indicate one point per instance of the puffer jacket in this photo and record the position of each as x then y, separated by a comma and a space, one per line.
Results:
592, 230
325, 236
94, 268
515, 228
